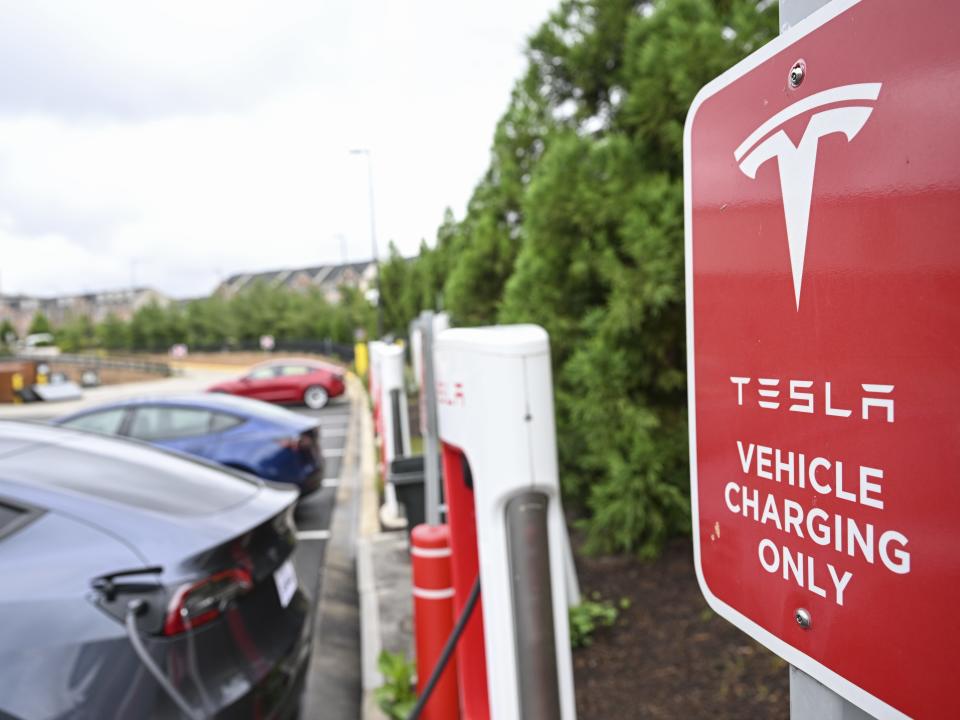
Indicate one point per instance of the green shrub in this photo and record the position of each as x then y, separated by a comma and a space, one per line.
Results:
396, 697
589, 615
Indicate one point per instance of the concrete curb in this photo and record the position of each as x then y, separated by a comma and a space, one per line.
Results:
366, 582
383, 579
333, 685
370, 500
369, 632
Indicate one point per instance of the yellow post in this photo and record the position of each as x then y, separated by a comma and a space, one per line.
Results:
16, 383
360, 359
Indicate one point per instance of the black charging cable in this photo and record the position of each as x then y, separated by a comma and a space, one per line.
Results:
447, 651
135, 608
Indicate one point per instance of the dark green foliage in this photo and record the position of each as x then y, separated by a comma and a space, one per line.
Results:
7, 333
578, 226
155, 328
78, 333
216, 323
401, 291
39, 324
396, 697
209, 322
590, 615
113, 334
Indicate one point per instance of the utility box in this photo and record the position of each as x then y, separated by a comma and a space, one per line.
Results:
496, 422
14, 377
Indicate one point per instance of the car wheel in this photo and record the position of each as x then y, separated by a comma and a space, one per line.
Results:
315, 397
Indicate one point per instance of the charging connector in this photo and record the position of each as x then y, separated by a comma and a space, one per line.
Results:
136, 608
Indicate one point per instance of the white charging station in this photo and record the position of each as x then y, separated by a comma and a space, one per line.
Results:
373, 352
393, 403
395, 425
495, 407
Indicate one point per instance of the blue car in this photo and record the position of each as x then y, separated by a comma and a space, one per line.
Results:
248, 435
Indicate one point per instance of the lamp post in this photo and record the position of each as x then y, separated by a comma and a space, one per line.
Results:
373, 234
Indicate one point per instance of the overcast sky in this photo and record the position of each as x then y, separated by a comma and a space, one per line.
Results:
173, 143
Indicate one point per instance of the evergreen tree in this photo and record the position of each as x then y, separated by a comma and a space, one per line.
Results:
39, 324
113, 334
578, 225
8, 333
77, 333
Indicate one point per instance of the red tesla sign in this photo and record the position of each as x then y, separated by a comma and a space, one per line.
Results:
823, 300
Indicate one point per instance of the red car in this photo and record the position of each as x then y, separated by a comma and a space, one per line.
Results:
309, 382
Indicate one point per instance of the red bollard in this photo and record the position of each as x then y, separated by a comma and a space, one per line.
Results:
433, 617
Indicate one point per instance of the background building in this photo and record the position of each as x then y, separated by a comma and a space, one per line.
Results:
326, 278
21, 309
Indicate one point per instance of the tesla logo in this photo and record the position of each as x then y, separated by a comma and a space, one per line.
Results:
450, 393
796, 162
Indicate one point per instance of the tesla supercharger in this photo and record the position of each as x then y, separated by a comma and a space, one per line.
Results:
395, 425
496, 418
374, 347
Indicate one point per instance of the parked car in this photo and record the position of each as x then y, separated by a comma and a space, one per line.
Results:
256, 437
310, 382
139, 583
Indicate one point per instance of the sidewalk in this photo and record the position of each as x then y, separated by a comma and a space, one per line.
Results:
365, 603
383, 579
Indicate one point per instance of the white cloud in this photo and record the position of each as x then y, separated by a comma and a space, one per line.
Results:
178, 142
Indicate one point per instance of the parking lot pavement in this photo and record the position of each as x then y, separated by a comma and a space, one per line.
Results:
334, 679
314, 512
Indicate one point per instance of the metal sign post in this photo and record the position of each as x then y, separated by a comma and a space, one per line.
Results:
809, 700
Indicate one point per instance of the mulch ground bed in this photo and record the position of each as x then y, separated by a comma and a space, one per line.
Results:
669, 655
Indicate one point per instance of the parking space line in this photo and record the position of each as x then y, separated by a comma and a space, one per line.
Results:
330, 483
333, 452
313, 535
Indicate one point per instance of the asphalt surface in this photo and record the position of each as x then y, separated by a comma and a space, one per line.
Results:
334, 689
314, 512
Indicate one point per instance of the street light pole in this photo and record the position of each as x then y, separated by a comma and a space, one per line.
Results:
373, 234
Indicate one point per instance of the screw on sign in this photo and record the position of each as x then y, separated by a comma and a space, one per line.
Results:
822, 181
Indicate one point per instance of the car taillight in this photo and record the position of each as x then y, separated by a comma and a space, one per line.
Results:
198, 603
289, 443
305, 443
